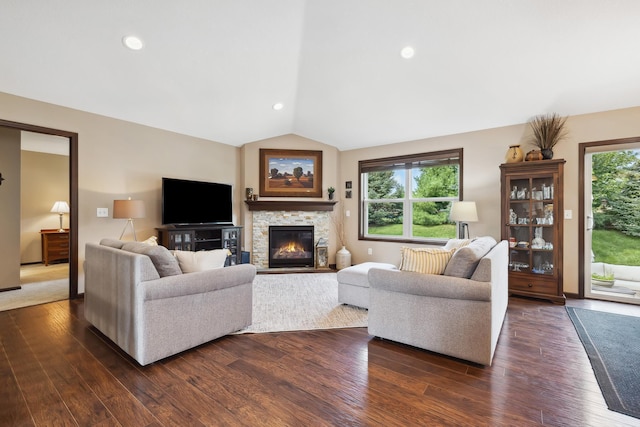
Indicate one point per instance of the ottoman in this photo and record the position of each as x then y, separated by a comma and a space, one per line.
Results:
353, 285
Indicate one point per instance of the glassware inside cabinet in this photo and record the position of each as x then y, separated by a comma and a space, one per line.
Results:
543, 263
519, 189
519, 260
542, 188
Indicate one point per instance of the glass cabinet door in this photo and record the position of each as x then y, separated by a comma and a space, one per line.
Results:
530, 228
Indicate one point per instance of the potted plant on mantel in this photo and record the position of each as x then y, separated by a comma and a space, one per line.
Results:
548, 130
331, 190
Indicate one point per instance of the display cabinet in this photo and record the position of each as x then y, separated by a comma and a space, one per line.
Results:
532, 220
204, 238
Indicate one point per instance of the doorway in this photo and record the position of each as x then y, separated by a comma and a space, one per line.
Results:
610, 220
73, 193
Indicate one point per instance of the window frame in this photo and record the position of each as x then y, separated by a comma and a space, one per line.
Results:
387, 163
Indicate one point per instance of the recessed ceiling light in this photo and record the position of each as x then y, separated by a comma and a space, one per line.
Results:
132, 42
278, 106
407, 52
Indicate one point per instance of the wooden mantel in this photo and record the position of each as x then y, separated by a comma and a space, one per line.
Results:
290, 205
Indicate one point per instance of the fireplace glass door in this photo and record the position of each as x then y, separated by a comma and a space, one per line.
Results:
291, 246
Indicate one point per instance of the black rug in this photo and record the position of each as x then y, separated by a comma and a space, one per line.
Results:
612, 342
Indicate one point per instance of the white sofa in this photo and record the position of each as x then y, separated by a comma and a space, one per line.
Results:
456, 316
152, 317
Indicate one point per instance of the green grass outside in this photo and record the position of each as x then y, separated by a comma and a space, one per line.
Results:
445, 231
613, 247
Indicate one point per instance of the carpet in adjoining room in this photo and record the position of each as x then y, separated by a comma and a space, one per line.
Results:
612, 342
302, 301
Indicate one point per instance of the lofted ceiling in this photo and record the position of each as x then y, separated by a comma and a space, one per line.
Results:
214, 68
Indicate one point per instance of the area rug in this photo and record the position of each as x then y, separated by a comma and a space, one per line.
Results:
303, 301
612, 342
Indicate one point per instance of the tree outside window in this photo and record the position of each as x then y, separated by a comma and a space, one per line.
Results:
409, 198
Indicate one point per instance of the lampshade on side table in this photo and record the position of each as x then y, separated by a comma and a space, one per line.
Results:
60, 207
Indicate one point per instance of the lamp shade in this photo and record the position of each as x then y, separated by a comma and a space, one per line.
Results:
464, 212
60, 207
128, 209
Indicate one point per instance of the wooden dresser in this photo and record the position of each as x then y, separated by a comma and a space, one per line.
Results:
55, 245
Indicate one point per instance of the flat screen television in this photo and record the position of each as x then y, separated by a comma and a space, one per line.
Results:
186, 202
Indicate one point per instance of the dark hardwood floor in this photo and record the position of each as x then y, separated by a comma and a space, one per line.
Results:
57, 370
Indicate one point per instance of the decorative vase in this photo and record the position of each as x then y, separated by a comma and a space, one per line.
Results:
330, 196
515, 154
343, 258
547, 153
249, 193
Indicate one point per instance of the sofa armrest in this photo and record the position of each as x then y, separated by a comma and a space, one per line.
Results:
429, 285
198, 282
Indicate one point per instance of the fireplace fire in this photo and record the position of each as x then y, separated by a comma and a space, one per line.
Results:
290, 246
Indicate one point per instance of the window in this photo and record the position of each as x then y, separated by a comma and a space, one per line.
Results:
408, 198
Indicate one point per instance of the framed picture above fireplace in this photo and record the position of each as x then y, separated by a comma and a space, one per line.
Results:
290, 173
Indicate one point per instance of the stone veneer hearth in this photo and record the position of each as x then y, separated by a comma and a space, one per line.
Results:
262, 219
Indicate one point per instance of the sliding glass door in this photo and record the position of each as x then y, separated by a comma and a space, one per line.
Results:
611, 220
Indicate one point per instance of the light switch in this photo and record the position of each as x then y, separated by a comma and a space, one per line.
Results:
568, 214
347, 213
103, 212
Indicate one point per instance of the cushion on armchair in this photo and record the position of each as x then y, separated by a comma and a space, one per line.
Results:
191, 262
162, 259
425, 260
465, 260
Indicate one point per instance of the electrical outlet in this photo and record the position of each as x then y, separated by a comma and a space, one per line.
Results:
102, 212
568, 214
370, 251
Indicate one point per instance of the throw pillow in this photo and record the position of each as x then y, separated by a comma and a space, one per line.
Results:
464, 262
151, 241
457, 243
425, 260
191, 262
162, 259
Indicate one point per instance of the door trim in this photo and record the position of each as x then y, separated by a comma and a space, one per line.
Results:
73, 193
582, 148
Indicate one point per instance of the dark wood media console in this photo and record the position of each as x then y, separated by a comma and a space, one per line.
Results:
198, 238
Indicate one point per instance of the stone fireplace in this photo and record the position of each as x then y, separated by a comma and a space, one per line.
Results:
266, 214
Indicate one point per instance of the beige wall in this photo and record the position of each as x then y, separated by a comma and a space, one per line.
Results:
45, 180
118, 159
9, 208
251, 178
483, 152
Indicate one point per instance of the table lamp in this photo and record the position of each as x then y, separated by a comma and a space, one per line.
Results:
128, 209
60, 207
463, 212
